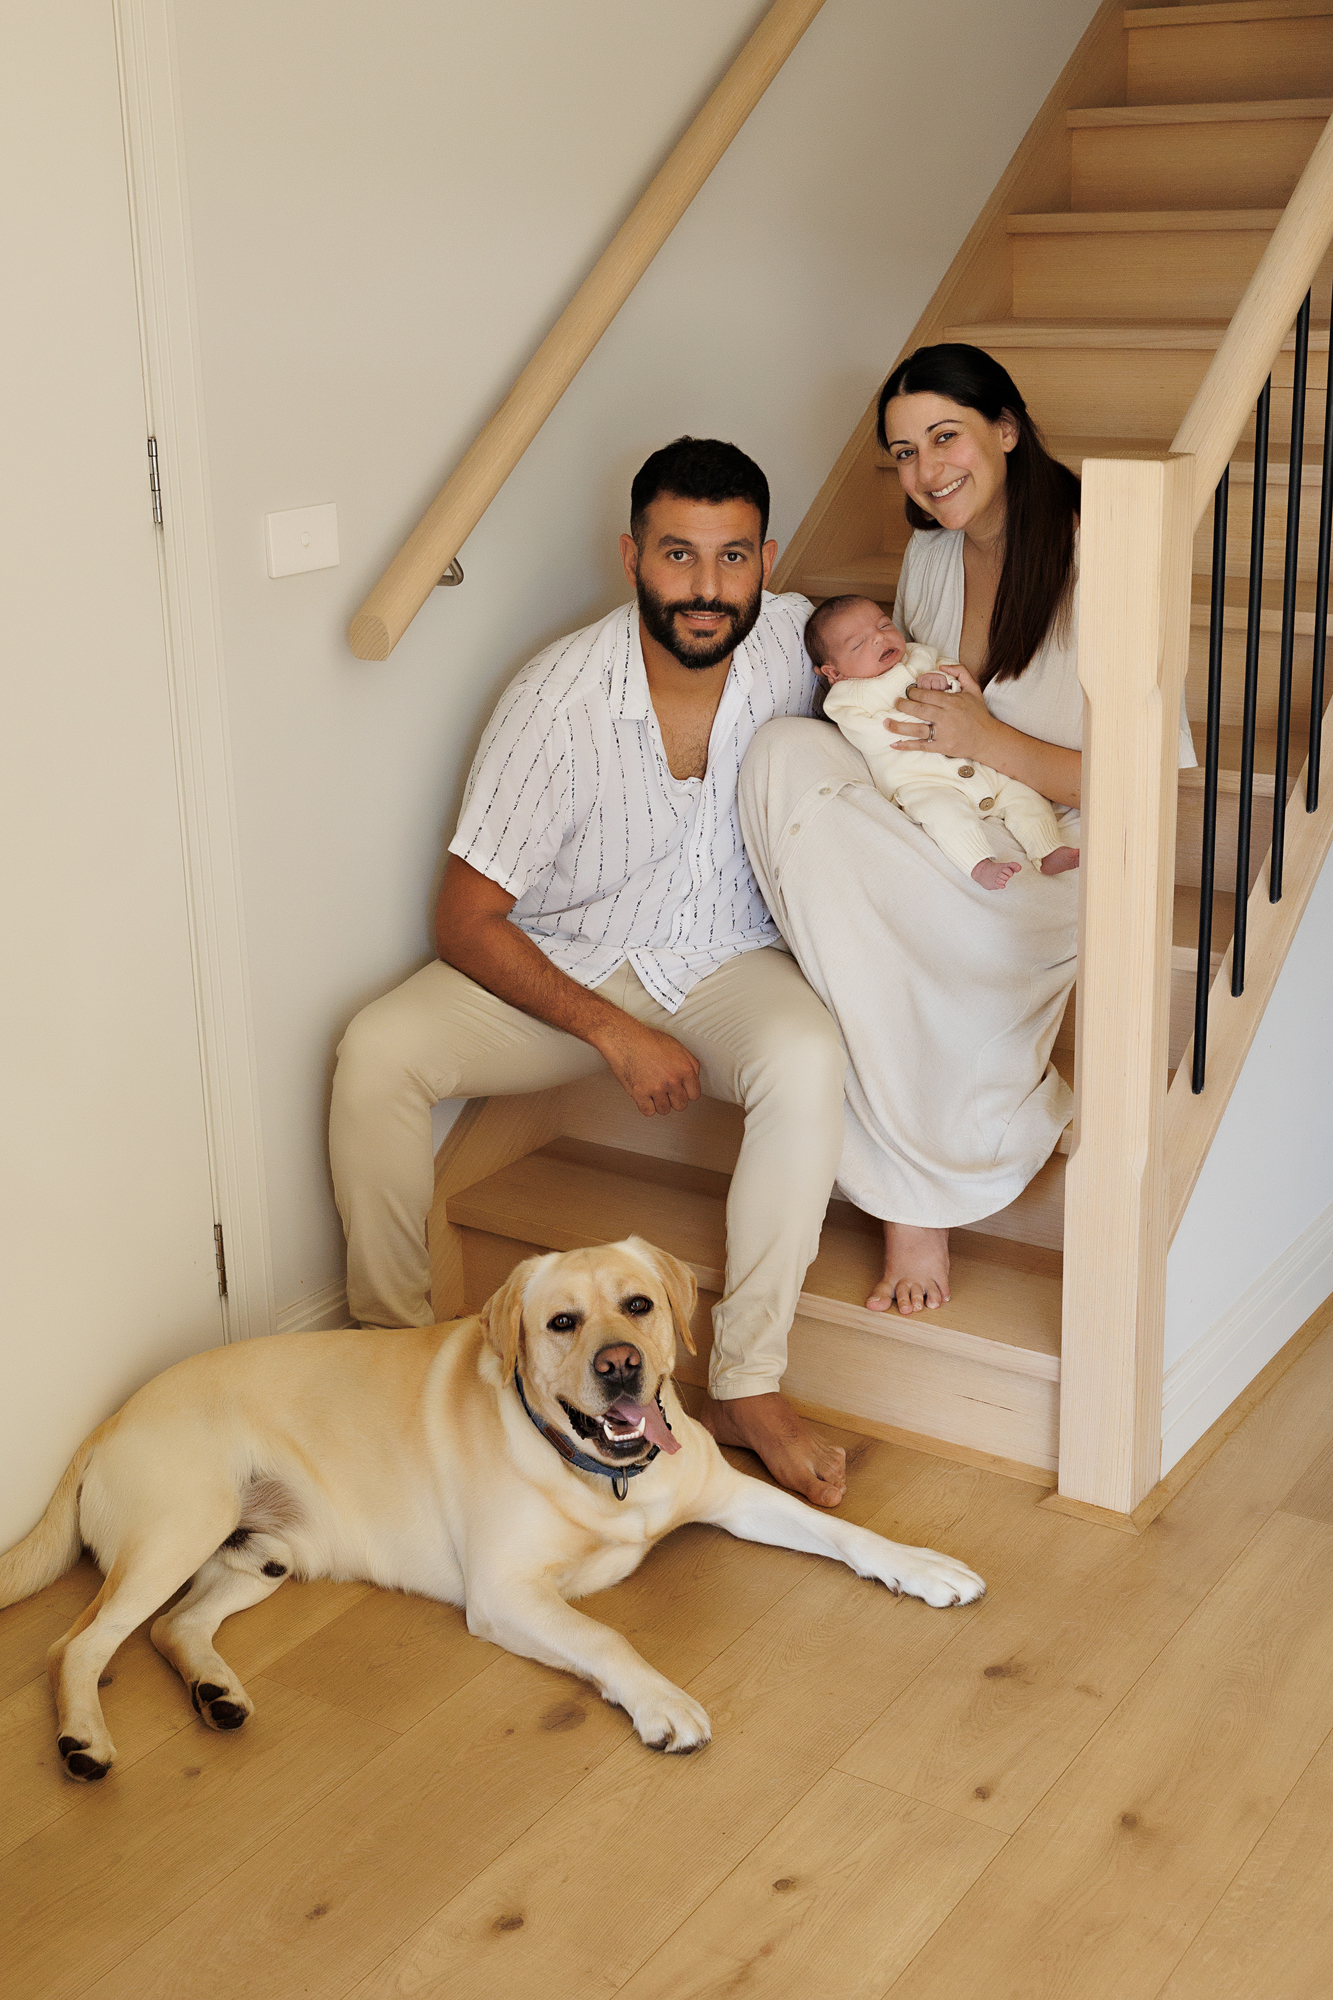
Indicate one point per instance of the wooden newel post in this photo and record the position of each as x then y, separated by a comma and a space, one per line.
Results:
1134, 599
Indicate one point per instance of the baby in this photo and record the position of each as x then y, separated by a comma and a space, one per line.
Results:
869, 666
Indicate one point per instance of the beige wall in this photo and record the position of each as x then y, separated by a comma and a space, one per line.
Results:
389, 205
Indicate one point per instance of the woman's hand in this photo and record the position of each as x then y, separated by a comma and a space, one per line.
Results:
952, 725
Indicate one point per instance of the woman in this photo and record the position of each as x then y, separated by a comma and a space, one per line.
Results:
948, 996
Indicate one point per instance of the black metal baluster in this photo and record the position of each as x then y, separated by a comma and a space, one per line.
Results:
1254, 615
1296, 451
1321, 594
1211, 760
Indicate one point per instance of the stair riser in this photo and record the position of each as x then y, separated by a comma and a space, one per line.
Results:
1248, 164
1152, 274
1214, 63
913, 1389
1189, 838
1122, 392
1233, 679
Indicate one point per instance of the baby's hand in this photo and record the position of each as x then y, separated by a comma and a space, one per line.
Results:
938, 682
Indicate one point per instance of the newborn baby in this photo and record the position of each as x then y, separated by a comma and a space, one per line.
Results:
869, 667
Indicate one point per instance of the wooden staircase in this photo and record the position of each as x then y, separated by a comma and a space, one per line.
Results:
1102, 275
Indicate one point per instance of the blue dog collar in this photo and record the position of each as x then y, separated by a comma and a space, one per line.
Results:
619, 1475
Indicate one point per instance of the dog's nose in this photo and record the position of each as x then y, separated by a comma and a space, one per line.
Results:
619, 1366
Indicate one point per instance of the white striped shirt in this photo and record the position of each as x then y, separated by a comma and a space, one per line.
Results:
571, 806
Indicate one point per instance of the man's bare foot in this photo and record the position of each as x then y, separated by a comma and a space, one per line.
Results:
1060, 859
994, 874
916, 1269
769, 1427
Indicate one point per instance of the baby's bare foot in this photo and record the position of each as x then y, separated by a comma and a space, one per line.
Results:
916, 1269
1060, 859
768, 1426
994, 874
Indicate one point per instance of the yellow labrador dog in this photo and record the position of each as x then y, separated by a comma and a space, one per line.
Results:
507, 1463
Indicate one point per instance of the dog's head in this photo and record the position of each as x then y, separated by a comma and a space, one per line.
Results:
594, 1335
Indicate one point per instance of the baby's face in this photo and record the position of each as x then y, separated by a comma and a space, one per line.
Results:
862, 642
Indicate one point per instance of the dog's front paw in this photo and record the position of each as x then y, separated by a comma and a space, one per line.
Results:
934, 1578
668, 1720
221, 1707
83, 1761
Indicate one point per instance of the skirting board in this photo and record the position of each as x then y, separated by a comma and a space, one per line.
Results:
1210, 1375
318, 1313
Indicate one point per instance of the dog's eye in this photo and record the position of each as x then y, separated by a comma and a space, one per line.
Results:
562, 1323
638, 1304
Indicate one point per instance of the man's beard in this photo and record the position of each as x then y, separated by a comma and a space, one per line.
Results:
659, 615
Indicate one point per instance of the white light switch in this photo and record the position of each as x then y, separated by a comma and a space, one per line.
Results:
302, 538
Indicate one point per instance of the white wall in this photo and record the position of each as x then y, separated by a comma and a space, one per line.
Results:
389, 204
1253, 1256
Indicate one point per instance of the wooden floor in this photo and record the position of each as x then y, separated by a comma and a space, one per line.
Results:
1111, 1780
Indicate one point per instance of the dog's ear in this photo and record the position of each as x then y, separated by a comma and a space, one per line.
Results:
681, 1290
502, 1315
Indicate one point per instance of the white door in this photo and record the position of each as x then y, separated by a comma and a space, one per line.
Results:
107, 1269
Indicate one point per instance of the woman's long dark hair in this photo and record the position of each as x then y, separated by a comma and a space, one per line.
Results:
1041, 500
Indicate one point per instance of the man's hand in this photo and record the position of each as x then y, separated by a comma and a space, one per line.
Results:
659, 1073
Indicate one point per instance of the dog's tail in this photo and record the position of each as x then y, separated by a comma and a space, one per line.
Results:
55, 1543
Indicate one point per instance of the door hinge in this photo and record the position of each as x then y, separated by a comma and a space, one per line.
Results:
154, 481
221, 1254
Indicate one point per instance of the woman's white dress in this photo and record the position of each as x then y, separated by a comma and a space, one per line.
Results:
948, 995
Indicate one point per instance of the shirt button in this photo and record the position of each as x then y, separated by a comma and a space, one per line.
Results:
824, 791
795, 829
986, 805
967, 771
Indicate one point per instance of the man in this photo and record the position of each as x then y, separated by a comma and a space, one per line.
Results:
598, 909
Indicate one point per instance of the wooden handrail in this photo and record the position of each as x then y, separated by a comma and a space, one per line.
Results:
1259, 325
435, 541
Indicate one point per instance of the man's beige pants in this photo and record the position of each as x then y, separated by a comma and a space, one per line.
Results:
763, 1040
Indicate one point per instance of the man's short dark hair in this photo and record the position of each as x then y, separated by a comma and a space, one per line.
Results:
698, 469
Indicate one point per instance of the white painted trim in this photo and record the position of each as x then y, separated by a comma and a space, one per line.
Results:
316, 1314
1209, 1376
159, 221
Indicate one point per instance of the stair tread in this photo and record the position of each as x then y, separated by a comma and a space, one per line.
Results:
1005, 1294
1151, 335
1221, 11
1072, 450
1223, 113
1146, 221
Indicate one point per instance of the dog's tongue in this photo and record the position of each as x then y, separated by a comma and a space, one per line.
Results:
627, 1412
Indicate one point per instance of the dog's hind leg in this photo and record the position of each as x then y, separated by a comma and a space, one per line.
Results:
245, 1570
143, 1575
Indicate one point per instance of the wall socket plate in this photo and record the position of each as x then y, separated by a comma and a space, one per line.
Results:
303, 538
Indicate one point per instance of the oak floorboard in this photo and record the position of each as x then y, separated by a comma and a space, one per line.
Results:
837, 1899
85, 1892
379, 1856
1114, 1874
785, 1698
143, 1699
1073, 1619
412, 1652
1272, 1932
1312, 1495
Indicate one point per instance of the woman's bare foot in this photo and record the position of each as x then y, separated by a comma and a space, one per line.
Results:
769, 1427
994, 874
916, 1269
1060, 859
